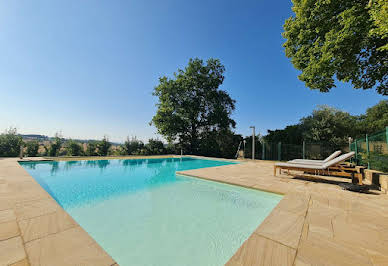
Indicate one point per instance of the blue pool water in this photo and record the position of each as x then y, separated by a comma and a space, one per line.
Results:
142, 213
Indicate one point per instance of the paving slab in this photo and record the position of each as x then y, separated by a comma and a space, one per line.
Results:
69, 247
258, 250
11, 251
45, 225
282, 226
9, 230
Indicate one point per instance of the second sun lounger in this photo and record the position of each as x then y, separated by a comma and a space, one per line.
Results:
331, 167
331, 157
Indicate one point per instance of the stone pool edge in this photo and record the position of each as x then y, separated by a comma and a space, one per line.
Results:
35, 229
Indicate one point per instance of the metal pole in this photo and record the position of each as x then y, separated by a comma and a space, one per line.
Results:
21, 151
386, 134
253, 142
263, 150
356, 150
244, 147
304, 150
279, 151
350, 144
367, 149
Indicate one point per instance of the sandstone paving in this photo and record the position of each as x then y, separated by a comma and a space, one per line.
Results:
315, 223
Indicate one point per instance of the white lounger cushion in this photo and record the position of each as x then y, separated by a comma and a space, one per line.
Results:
326, 165
339, 159
332, 156
301, 165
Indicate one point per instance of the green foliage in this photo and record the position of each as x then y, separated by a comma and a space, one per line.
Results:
248, 147
132, 146
155, 147
329, 39
10, 143
103, 146
220, 144
291, 134
55, 146
328, 125
191, 104
91, 148
74, 148
377, 161
32, 148
375, 119
378, 10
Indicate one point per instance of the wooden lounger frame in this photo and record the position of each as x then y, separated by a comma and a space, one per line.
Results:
335, 170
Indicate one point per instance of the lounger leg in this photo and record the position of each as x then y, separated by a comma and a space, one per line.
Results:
274, 170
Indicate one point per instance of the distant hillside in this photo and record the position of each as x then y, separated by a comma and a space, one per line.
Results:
46, 138
34, 137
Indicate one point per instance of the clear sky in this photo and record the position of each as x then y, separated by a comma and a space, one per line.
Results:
88, 68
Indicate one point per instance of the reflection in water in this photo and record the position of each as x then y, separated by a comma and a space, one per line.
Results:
54, 168
74, 183
71, 164
102, 164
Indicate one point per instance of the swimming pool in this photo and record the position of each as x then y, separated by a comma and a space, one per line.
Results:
142, 213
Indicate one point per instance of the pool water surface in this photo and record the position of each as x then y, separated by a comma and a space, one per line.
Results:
142, 213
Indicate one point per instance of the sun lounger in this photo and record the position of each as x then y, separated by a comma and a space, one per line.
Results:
331, 167
303, 161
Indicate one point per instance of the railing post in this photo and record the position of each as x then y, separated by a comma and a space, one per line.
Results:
367, 148
279, 151
304, 150
263, 151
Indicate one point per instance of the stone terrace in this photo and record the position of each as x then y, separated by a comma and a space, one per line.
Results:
316, 223
35, 230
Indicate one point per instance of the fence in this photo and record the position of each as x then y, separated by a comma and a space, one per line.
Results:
372, 150
285, 152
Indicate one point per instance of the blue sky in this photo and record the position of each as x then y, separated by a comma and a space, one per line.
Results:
88, 68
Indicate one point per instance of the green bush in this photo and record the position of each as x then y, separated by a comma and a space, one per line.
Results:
10, 143
155, 147
103, 146
376, 161
55, 146
32, 148
132, 146
73, 148
91, 148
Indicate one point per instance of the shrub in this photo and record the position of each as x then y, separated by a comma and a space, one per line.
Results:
132, 146
91, 148
376, 161
10, 143
73, 148
155, 147
103, 146
55, 146
32, 148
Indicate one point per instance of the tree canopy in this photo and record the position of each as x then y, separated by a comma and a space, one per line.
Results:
332, 126
32, 148
103, 146
342, 39
10, 143
191, 104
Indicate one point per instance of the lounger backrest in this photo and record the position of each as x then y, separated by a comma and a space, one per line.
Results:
332, 156
339, 159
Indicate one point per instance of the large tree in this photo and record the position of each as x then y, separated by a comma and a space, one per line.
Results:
328, 125
192, 104
339, 39
375, 119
